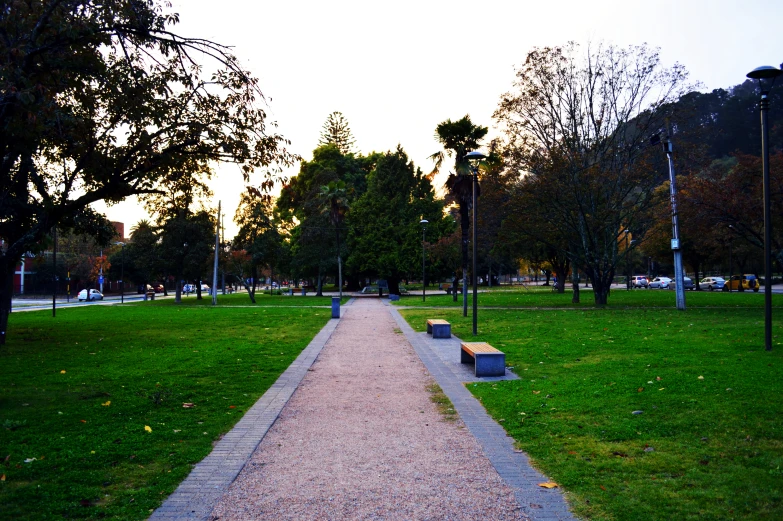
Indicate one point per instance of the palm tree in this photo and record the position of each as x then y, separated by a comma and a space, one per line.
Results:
334, 200
458, 138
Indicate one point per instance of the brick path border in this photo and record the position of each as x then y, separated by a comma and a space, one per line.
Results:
195, 497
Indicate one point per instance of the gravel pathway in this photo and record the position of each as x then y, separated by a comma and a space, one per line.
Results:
360, 439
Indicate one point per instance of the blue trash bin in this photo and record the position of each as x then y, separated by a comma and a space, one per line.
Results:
335, 307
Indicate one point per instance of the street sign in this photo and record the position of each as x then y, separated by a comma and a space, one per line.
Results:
100, 279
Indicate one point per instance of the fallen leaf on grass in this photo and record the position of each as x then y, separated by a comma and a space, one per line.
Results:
148, 428
2, 478
188, 405
83, 421
701, 378
62, 372
620, 454
548, 484
30, 460
232, 406
602, 487
536, 392
106, 404
640, 389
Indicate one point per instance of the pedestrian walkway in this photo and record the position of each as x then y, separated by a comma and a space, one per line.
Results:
360, 439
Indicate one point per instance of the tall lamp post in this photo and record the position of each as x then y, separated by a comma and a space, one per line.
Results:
423, 223
731, 260
679, 272
474, 159
122, 271
627, 268
766, 75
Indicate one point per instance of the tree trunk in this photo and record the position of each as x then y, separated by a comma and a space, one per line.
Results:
602, 283
394, 285
251, 288
575, 283
319, 291
6, 293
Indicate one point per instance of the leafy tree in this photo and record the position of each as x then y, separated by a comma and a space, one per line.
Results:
334, 197
337, 132
301, 201
458, 138
140, 258
78, 74
580, 123
186, 245
257, 236
384, 231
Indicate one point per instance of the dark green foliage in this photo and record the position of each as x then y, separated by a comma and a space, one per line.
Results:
384, 223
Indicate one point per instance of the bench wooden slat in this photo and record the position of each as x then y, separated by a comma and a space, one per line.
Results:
479, 347
487, 360
436, 321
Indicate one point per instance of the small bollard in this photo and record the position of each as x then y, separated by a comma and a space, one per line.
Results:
335, 307
304, 292
290, 292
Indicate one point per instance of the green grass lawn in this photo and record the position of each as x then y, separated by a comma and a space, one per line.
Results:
708, 443
92, 423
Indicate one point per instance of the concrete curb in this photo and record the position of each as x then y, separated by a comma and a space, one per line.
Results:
540, 504
196, 496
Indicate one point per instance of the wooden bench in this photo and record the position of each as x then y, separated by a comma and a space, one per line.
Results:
438, 328
488, 361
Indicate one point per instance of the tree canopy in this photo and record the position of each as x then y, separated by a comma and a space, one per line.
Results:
100, 100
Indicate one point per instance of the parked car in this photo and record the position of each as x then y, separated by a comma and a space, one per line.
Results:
639, 281
189, 288
748, 281
205, 289
144, 288
712, 283
158, 288
660, 283
94, 295
687, 283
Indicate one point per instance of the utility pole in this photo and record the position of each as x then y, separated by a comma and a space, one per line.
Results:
215, 266
679, 275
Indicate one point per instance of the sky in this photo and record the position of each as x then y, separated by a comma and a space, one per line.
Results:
397, 69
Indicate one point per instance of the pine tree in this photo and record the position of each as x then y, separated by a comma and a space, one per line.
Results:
336, 130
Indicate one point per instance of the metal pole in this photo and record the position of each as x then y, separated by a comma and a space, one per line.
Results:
54, 278
767, 226
475, 250
215, 266
627, 268
731, 265
122, 275
679, 275
423, 266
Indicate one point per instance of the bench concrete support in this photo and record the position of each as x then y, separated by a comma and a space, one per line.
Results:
487, 360
439, 328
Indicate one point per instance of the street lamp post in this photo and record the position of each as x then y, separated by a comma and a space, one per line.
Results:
122, 272
423, 223
679, 272
627, 268
766, 77
475, 158
731, 260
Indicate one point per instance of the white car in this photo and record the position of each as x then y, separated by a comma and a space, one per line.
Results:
660, 283
94, 295
712, 283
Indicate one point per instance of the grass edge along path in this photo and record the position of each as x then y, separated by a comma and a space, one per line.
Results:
105, 409
708, 442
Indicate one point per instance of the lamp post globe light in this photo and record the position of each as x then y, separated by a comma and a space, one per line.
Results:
766, 75
474, 159
423, 223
